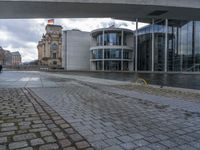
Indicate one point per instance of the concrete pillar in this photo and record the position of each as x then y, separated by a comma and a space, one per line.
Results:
122, 58
153, 46
180, 50
122, 52
122, 39
103, 57
166, 43
136, 47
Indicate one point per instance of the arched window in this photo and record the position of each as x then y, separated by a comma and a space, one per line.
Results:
54, 47
54, 50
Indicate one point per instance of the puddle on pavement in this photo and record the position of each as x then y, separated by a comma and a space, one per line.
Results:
29, 79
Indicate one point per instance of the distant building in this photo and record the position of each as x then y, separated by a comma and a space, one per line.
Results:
16, 58
1, 56
9, 58
50, 47
75, 53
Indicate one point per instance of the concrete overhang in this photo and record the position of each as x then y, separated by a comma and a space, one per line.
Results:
119, 9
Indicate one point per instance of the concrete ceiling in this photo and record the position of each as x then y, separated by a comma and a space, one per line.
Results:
119, 9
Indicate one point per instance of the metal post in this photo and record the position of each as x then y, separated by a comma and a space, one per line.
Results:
136, 47
166, 42
153, 46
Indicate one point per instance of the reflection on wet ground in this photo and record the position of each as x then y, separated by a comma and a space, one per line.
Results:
190, 81
39, 79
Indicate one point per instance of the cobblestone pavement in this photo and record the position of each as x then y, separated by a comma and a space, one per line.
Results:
110, 120
28, 123
65, 111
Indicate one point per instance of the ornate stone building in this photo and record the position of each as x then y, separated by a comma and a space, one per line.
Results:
1, 56
50, 47
16, 58
9, 58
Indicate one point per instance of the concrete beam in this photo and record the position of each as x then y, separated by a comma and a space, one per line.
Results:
121, 9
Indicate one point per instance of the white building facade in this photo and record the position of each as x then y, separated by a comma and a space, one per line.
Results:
112, 49
75, 52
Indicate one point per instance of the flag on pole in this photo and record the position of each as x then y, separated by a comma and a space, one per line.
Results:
51, 21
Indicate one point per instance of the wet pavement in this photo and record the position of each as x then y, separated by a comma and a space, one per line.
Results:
189, 81
78, 112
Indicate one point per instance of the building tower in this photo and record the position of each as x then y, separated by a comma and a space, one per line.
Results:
50, 47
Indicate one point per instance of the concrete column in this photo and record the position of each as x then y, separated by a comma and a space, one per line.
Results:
122, 52
180, 49
122, 39
122, 58
103, 59
153, 46
136, 46
103, 38
166, 43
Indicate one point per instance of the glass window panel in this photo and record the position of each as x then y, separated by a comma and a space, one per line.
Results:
197, 46
97, 54
112, 39
100, 40
144, 48
99, 65
112, 65
112, 53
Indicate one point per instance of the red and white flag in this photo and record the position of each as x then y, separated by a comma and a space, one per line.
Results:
51, 21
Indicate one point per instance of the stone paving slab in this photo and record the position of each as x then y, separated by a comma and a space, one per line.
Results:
28, 123
176, 103
109, 119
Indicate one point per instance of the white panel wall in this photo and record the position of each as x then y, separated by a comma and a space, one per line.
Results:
76, 54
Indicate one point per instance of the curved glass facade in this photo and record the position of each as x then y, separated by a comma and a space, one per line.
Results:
113, 59
112, 39
97, 54
109, 38
112, 54
183, 46
99, 40
112, 50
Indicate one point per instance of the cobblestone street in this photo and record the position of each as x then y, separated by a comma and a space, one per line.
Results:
28, 124
73, 113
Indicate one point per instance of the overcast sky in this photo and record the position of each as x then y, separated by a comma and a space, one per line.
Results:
23, 34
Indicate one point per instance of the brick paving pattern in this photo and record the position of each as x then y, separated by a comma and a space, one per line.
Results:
28, 123
181, 94
110, 120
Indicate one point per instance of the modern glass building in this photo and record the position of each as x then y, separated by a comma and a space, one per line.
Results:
168, 46
112, 50
162, 46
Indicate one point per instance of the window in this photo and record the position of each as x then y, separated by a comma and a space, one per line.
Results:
97, 54
55, 62
112, 53
54, 47
54, 55
112, 39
